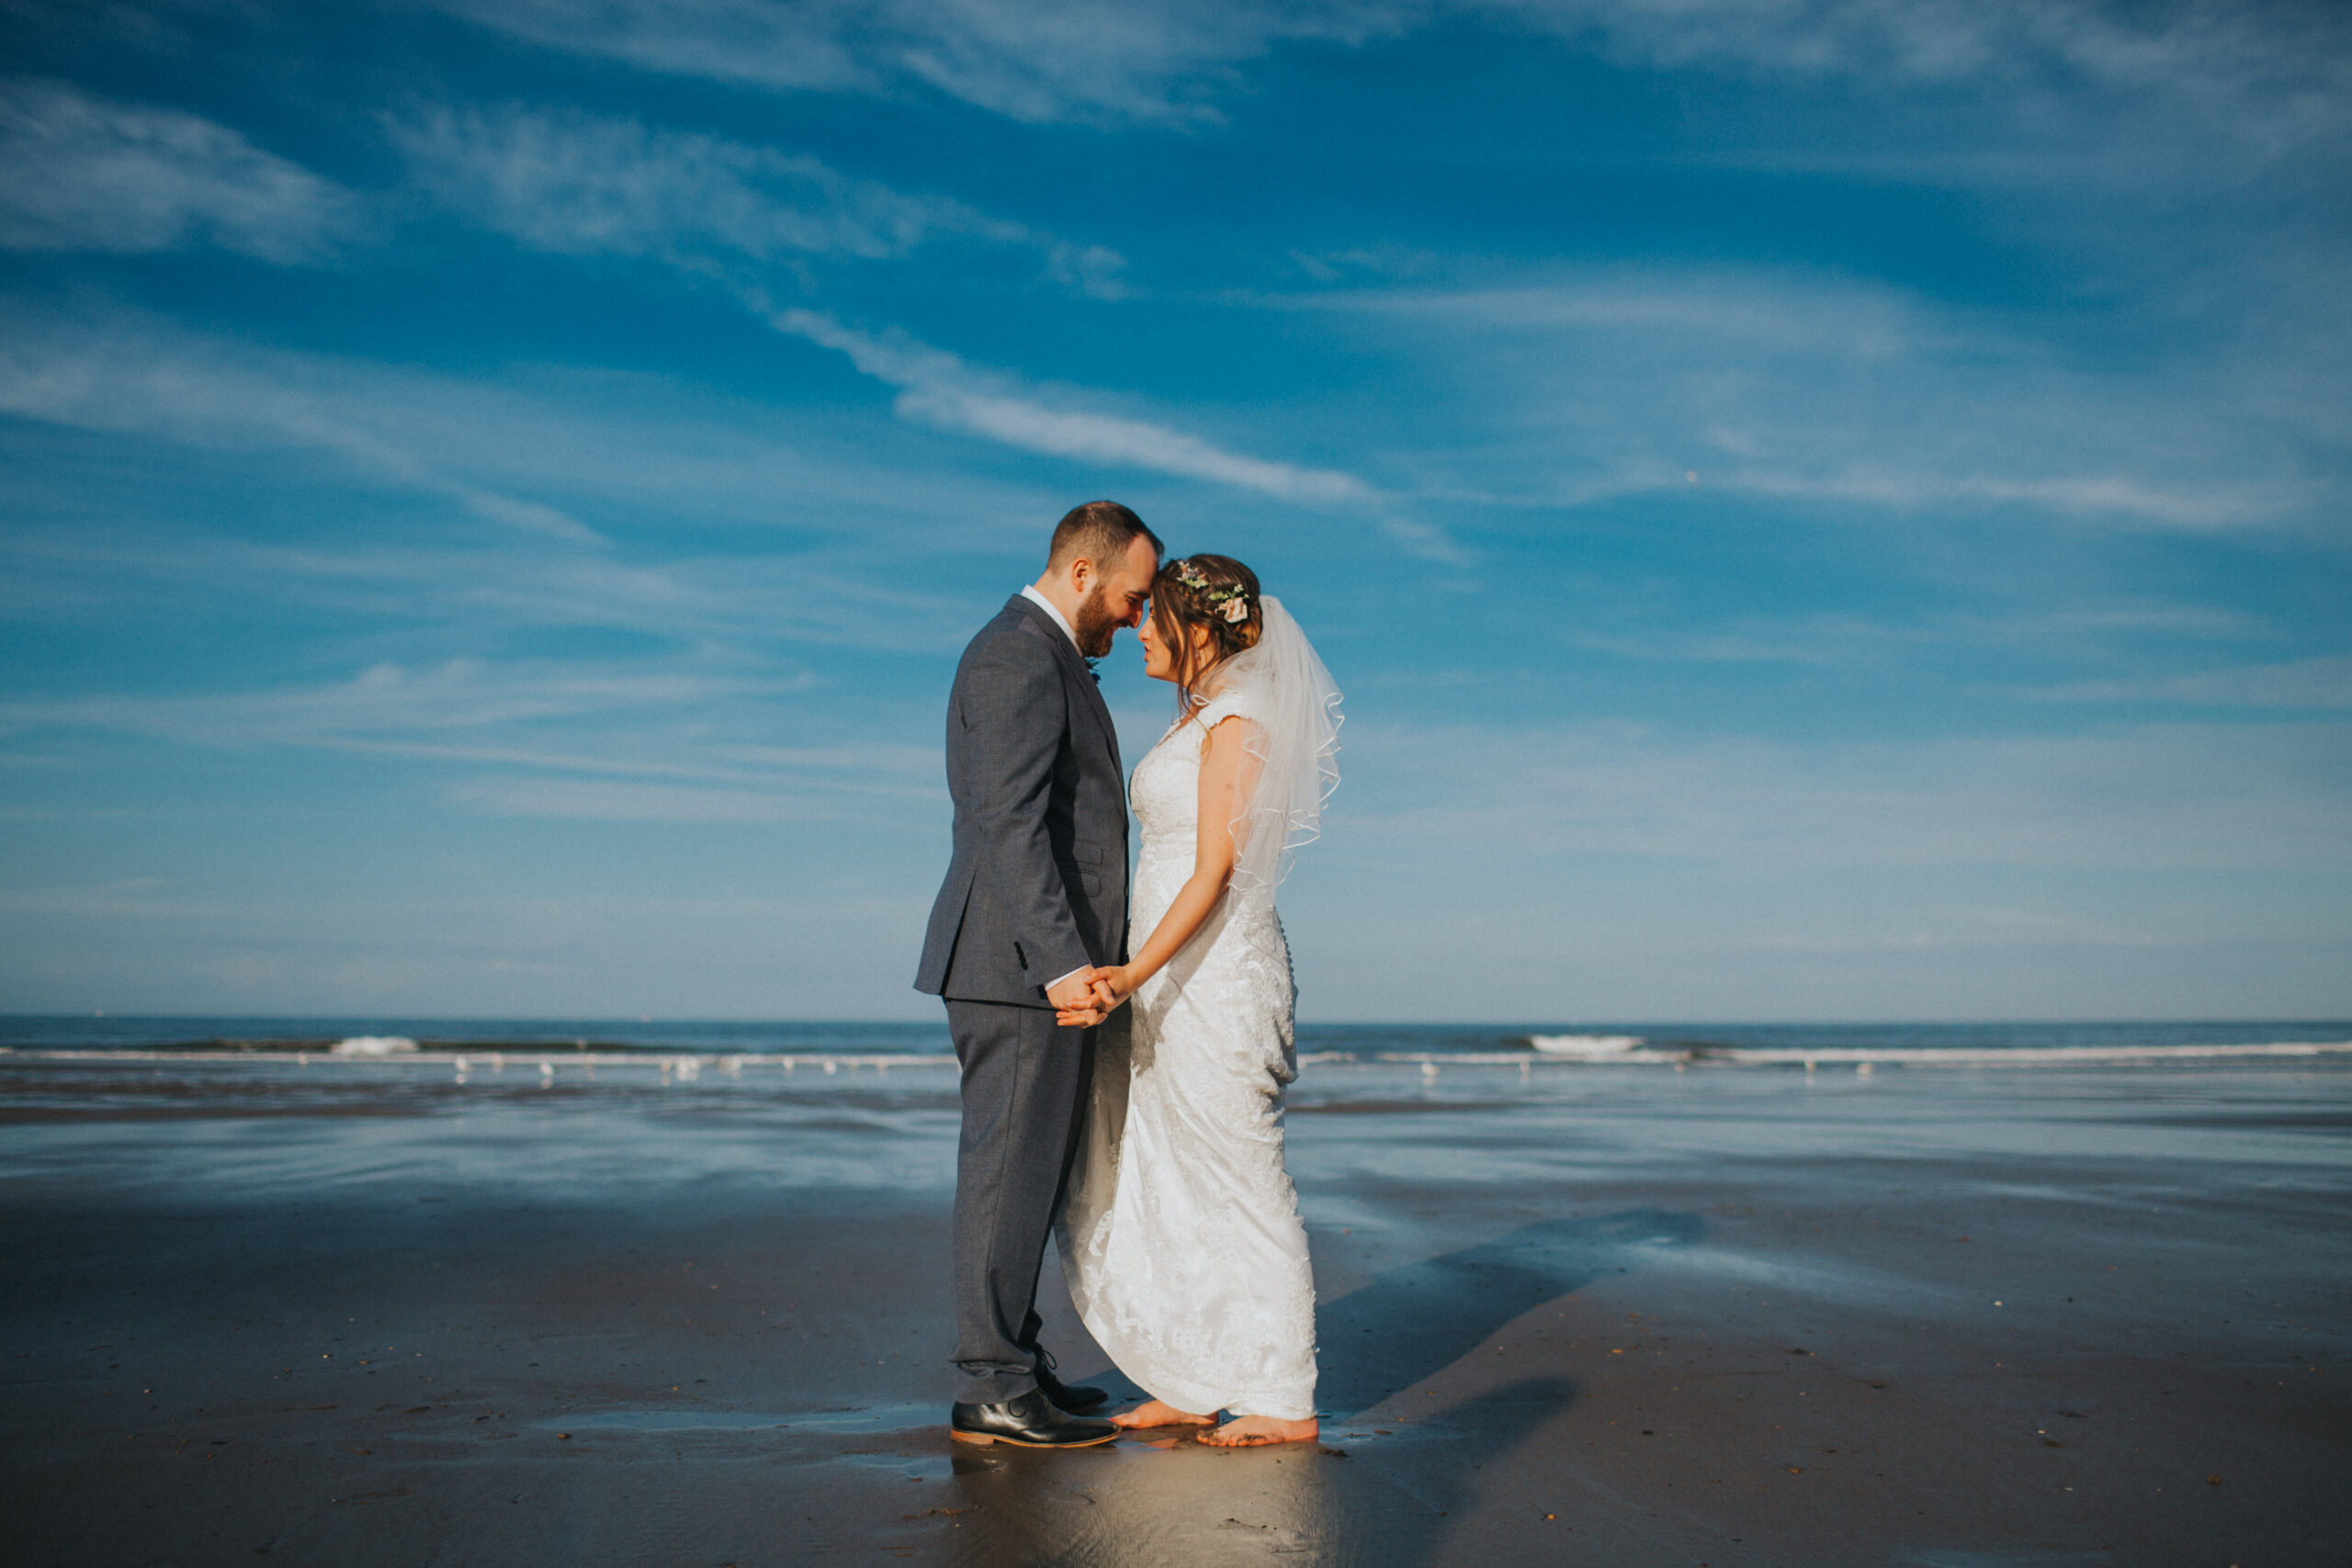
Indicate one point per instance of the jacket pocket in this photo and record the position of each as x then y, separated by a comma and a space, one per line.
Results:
1076, 875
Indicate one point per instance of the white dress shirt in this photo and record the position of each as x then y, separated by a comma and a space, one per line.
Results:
1062, 621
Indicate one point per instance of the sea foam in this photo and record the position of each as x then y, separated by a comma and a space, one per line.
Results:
1587, 1047
375, 1045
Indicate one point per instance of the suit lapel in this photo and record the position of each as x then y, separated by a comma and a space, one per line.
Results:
1083, 678
1075, 672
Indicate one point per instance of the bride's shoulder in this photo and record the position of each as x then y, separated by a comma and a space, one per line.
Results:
1228, 705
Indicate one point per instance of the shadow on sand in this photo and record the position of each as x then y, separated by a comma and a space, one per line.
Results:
1385, 1501
1412, 1322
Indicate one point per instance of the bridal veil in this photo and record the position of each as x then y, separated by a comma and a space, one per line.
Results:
1281, 686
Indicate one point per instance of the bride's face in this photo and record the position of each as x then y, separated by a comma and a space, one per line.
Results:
1160, 659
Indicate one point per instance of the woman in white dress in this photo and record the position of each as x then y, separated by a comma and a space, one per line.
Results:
1180, 1236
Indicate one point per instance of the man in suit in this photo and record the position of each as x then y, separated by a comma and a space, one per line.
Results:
1035, 900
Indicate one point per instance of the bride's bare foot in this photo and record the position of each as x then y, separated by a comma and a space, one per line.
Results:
1156, 1413
1258, 1431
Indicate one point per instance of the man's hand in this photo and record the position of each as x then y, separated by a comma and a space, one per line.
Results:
1073, 991
1104, 990
1074, 1000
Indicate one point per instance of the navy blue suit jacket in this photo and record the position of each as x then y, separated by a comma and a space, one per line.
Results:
1038, 885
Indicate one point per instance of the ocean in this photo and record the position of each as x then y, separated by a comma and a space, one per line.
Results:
1570, 1042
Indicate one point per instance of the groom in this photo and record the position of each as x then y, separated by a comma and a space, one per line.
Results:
1035, 899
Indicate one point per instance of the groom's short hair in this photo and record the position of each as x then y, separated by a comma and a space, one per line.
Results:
1101, 531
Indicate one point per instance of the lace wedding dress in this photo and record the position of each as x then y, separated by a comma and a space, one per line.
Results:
1180, 1238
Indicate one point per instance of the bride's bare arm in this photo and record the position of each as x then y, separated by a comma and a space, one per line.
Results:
1224, 760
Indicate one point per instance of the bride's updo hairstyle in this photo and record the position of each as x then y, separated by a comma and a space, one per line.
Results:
1215, 591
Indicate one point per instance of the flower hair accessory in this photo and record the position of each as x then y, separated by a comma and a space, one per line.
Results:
1231, 602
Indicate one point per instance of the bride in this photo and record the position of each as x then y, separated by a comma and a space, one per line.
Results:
1179, 1235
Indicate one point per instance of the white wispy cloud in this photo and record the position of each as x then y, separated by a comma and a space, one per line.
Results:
2276, 73
83, 173
125, 374
708, 760
2300, 684
1784, 384
2273, 74
577, 184
614, 801
750, 603
737, 540
2190, 505
2139, 796
1852, 639
526, 447
139, 896
1934, 40
939, 389
654, 740
459, 695
1032, 60
571, 183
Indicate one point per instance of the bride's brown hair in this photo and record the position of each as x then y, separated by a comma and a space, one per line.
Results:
1201, 590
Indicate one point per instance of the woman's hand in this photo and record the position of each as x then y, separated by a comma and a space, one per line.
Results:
1114, 985
1110, 987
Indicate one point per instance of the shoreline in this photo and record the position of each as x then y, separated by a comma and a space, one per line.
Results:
464, 1053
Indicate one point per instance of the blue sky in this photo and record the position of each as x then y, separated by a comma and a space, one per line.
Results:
1821, 511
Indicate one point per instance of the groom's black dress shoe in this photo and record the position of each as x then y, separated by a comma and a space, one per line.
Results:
1085, 1396
1032, 1421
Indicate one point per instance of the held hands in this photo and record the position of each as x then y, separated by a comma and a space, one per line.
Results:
1073, 993
1087, 999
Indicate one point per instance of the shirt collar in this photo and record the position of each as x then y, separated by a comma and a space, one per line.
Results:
1036, 598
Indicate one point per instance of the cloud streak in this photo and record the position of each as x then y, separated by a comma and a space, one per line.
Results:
2274, 75
125, 376
459, 696
939, 389
579, 185
611, 801
561, 740
1782, 384
2303, 684
1031, 59
2141, 796
82, 172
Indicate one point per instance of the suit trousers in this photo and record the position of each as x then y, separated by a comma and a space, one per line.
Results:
1025, 1087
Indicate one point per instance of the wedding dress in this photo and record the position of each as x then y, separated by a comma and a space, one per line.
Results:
1181, 1238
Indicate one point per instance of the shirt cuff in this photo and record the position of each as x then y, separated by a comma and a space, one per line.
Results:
1071, 976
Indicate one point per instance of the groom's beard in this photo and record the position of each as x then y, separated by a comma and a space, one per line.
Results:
1096, 624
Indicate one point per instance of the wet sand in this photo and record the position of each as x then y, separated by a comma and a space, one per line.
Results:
354, 1314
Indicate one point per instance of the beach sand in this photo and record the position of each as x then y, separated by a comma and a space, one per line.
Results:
359, 1313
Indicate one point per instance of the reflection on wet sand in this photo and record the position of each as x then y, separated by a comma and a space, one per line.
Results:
1173, 1502
1394, 1501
